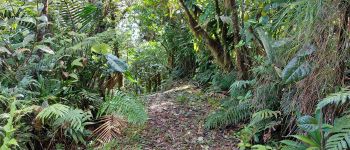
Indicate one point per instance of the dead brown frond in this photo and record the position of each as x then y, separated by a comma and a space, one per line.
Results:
329, 60
110, 128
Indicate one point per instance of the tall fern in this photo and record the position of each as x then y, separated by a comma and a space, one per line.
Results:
228, 116
126, 106
54, 111
72, 121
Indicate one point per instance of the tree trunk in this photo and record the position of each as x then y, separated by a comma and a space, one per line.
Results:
242, 60
221, 56
44, 12
342, 40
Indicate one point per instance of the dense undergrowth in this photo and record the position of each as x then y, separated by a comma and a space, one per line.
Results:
72, 72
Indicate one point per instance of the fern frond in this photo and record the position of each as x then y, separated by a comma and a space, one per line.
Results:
54, 111
73, 13
263, 115
229, 116
127, 106
338, 98
308, 123
75, 119
339, 134
237, 87
110, 128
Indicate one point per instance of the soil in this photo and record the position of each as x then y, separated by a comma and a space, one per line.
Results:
176, 122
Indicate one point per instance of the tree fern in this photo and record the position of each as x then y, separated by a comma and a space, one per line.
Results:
338, 98
127, 106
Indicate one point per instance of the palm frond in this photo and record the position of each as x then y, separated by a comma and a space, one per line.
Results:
110, 128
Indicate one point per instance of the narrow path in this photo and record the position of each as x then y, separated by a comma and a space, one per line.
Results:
176, 122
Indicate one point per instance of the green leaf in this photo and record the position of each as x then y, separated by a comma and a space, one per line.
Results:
128, 76
240, 44
53, 112
294, 71
12, 142
262, 115
77, 62
101, 49
28, 39
266, 41
298, 68
115, 64
44, 48
306, 140
75, 76
306, 50
294, 144
308, 123
29, 20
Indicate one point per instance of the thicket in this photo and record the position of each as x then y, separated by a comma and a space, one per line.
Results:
71, 70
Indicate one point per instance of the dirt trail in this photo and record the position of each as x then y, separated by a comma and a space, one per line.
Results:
176, 122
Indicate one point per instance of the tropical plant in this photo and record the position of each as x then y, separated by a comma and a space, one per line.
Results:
321, 135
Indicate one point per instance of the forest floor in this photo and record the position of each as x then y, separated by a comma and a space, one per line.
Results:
176, 121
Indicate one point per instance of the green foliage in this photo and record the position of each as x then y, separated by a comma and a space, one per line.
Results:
333, 137
339, 98
308, 123
262, 115
223, 80
73, 58
266, 41
298, 68
8, 140
72, 121
54, 111
237, 87
124, 105
101, 48
339, 135
77, 16
228, 116
115, 64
